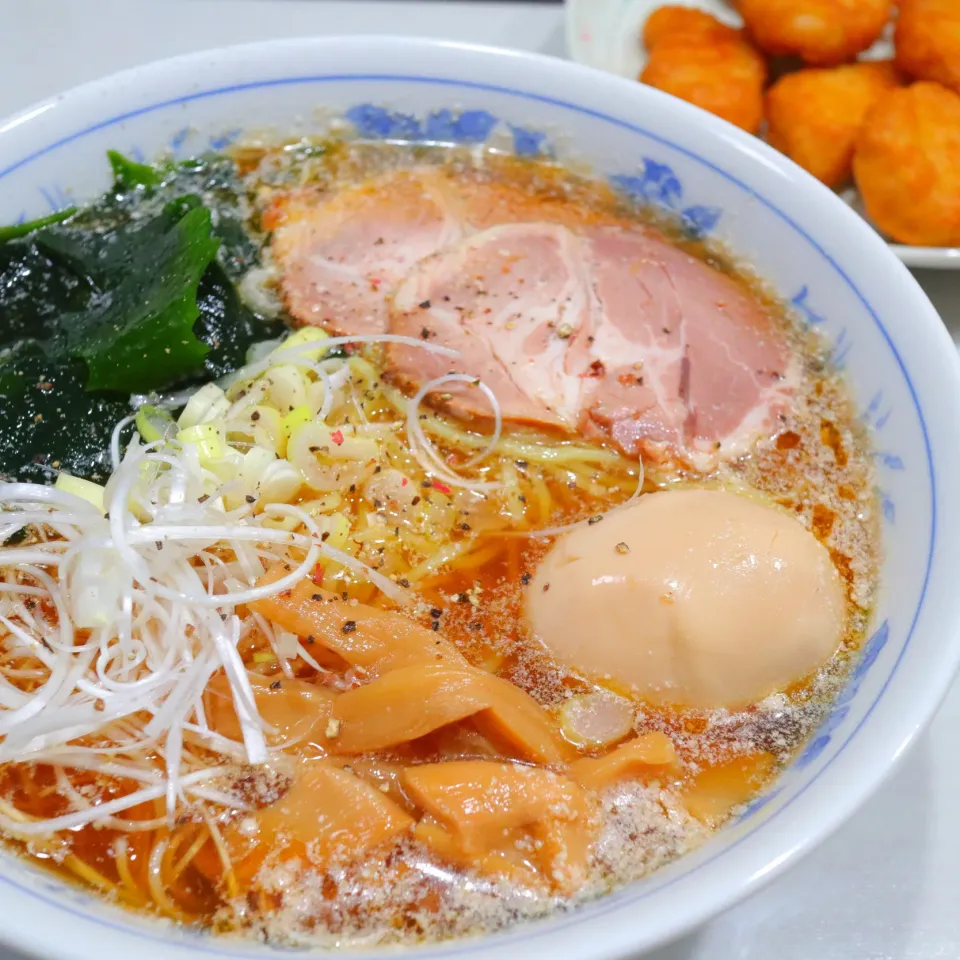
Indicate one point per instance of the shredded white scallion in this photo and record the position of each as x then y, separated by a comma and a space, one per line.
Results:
425, 452
119, 618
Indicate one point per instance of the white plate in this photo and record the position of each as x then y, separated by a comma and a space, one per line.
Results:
606, 34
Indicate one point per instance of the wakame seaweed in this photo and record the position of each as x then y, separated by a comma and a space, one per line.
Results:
132, 294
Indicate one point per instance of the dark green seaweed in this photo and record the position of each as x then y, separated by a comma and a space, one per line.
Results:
134, 294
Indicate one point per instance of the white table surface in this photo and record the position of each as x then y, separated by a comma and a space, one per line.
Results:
887, 886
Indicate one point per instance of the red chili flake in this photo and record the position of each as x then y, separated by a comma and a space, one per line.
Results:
337, 437
317, 575
442, 487
376, 281
404, 482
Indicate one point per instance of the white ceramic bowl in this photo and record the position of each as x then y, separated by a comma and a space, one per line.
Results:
822, 257
606, 34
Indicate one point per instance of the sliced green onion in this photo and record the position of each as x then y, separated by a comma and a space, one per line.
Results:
208, 403
301, 338
154, 424
206, 437
85, 489
295, 419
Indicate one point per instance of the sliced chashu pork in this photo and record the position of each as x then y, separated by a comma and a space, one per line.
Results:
342, 255
514, 301
612, 331
601, 329
691, 363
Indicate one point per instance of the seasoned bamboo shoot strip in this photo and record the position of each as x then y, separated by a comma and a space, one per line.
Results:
362, 636
411, 702
714, 792
649, 754
488, 813
328, 815
478, 800
506, 863
299, 711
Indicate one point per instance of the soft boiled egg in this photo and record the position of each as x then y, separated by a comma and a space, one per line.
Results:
700, 598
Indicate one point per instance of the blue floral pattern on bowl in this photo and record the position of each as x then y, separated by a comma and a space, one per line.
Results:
658, 186
871, 650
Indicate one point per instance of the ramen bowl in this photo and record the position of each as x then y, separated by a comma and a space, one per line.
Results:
837, 274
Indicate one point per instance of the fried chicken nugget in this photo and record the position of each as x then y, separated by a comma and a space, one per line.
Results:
672, 22
906, 165
821, 32
928, 41
723, 76
814, 116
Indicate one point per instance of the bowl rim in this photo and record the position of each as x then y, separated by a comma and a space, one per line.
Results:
877, 757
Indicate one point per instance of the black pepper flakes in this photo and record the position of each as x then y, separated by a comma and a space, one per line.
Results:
250, 498
275, 685
622, 547
349, 626
546, 587
525, 578
425, 305
595, 519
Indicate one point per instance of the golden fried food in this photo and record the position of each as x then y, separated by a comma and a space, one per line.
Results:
928, 40
821, 32
814, 116
673, 22
906, 165
725, 77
